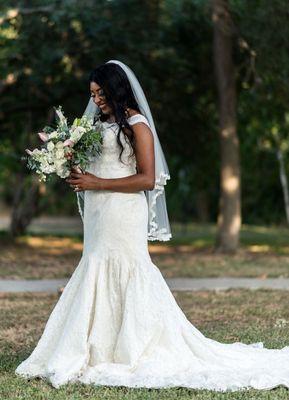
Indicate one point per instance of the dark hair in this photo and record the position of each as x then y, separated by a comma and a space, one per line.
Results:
119, 96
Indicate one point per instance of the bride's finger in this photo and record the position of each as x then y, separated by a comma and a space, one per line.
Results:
75, 175
73, 181
76, 169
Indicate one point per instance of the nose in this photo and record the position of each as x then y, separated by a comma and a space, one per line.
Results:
98, 100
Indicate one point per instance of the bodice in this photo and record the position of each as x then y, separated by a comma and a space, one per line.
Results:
108, 164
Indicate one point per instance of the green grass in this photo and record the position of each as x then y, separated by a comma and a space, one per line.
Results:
207, 264
269, 238
226, 316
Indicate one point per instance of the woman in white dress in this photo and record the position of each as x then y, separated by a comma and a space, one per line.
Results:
116, 322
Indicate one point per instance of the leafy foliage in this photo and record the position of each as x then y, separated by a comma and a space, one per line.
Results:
48, 49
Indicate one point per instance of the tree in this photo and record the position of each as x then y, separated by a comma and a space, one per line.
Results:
263, 107
229, 218
48, 52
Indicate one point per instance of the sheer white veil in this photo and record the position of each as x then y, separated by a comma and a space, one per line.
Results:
158, 221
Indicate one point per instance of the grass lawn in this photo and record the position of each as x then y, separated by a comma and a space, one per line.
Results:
264, 252
227, 316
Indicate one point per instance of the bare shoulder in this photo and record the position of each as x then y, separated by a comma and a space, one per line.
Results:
142, 133
139, 125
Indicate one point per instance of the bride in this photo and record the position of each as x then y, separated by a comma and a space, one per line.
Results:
116, 322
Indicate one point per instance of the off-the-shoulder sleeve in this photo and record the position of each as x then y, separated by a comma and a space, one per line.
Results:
137, 118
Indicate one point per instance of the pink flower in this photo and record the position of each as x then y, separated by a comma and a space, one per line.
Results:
29, 152
69, 143
43, 136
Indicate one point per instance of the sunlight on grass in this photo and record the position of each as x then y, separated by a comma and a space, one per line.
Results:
264, 252
259, 248
49, 242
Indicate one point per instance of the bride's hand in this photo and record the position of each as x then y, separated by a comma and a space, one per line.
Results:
83, 181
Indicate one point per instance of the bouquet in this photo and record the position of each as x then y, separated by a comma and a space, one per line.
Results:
65, 146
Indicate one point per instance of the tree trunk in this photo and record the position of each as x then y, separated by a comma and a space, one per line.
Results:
27, 192
229, 218
25, 204
284, 182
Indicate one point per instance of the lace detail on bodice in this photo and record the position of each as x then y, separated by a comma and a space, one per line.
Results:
108, 164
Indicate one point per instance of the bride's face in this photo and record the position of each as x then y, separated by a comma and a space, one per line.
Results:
99, 98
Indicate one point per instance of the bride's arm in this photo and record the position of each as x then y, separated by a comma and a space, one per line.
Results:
143, 180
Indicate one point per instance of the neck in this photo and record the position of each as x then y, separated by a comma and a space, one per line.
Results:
111, 118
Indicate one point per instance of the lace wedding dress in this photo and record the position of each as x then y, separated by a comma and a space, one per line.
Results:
117, 323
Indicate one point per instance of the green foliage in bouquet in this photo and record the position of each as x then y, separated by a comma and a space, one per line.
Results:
65, 146
88, 146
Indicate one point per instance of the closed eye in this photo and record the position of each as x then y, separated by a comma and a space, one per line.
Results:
100, 93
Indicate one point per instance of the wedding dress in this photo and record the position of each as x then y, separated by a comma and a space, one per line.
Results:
118, 324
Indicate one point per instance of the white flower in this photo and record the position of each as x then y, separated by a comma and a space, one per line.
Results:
77, 133
53, 135
53, 158
50, 146
59, 145
62, 171
60, 115
59, 163
48, 169
50, 157
59, 151
59, 154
